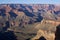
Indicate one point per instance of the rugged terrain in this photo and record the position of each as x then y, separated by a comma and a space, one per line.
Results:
30, 21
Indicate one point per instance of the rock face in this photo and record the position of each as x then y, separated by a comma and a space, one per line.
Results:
54, 22
45, 34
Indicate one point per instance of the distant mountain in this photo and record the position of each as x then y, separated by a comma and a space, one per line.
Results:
29, 14
47, 11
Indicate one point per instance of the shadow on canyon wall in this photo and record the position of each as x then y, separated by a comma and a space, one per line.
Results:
7, 36
57, 33
41, 38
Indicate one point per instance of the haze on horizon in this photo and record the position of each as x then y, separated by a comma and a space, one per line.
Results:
30, 2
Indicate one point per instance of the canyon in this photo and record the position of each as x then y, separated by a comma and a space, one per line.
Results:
30, 21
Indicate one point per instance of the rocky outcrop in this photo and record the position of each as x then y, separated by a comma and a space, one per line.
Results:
45, 34
54, 22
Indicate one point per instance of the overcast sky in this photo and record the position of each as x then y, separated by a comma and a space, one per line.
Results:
29, 1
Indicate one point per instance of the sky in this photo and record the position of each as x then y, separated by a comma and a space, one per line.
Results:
29, 1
